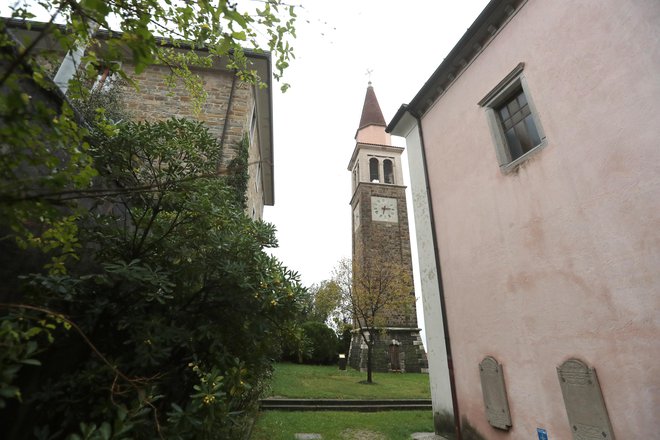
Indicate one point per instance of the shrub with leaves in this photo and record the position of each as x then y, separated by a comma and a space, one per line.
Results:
178, 309
323, 342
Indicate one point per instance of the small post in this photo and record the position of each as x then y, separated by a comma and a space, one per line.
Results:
342, 362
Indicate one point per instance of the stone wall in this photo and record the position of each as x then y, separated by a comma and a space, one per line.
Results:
154, 100
411, 354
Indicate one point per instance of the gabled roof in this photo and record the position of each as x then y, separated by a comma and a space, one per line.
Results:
371, 113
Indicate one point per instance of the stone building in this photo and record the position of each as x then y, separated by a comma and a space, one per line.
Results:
380, 234
232, 108
535, 174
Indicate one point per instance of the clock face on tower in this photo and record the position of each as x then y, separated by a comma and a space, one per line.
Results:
383, 209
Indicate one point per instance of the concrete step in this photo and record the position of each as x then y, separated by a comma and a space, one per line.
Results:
345, 405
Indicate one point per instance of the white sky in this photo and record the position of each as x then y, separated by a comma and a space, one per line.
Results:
403, 42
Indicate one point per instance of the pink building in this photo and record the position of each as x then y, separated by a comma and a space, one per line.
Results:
539, 235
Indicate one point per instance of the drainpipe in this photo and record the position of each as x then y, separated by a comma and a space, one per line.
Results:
450, 363
229, 101
71, 61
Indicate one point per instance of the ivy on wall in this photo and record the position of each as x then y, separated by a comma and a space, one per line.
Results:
238, 171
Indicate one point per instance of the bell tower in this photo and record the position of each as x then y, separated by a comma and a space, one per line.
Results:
380, 233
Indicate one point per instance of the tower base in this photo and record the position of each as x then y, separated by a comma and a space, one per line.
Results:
396, 350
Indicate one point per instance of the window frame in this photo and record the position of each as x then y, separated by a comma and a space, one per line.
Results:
493, 101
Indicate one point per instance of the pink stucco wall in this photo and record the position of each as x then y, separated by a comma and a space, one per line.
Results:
373, 134
562, 258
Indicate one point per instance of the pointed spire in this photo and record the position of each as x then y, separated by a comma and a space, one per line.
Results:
372, 123
371, 113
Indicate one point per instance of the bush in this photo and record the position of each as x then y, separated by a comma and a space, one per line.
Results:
166, 326
323, 341
295, 345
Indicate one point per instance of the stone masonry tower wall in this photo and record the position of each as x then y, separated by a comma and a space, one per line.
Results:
381, 241
381, 234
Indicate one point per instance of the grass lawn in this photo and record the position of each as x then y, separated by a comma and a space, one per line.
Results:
328, 382
386, 425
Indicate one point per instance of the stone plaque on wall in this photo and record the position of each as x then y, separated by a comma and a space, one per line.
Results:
584, 402
492, 387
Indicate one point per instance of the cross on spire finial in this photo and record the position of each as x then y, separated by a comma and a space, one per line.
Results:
369, 72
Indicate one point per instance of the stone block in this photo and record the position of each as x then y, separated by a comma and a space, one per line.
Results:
426, 436
585, 406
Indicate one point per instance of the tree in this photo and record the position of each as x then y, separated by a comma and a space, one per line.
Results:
313, 339
323, 343
370, 291
324, 303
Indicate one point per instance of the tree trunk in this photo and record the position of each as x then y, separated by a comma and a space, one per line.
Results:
370, 348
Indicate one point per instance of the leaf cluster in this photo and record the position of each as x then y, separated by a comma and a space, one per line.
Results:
144, 27
237, 171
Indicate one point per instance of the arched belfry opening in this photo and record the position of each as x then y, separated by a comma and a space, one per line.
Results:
388, 171
373, 170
